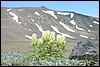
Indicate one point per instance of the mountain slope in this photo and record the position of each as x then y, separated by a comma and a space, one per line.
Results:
18, 24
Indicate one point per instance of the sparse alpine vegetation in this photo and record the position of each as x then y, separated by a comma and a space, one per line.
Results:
49, 50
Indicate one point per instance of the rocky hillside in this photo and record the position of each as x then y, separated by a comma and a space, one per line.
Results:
18, 24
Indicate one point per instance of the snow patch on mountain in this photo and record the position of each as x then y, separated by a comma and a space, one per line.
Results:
9, 9
71, 15
79, 28
83, 36
32, 20
39, 27
67, 28
66, 35
92, 38
29, 37
96, 22
28, 15
51, 13
62, 13
72, 22
37, 13
29, 29
90, 25
55, 29
15, 17
89, 31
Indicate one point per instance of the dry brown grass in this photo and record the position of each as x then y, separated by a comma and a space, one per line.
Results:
26, 46
16, 46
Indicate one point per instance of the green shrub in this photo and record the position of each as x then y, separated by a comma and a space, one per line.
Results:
47, 46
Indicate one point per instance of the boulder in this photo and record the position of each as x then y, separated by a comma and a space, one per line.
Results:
86, 48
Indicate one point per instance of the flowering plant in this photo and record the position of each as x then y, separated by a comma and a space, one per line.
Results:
47, 46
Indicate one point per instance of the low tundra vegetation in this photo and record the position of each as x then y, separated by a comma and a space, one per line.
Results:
49, 50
